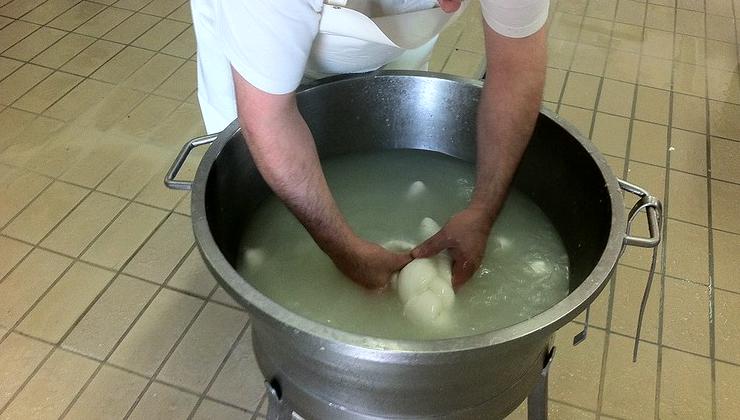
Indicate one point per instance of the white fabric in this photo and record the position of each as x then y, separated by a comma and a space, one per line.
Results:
272, 43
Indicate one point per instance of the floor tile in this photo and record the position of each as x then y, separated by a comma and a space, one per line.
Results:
130, 29
627, 37
19, 356
180, 84
48, 11
13, 252
610, 134
723, 120
689, 113
723, 86
649, 143
622, 65
579, 118
109, 395
686, 316
116, 105
48, 209
149, 76
99, 161
63, 50
203, 348
652, 105
8, 66
14, 32
695, 5
103, 21
183, 45
20, 190
147, 114
46, 93
52, 388
722, 55
685, 386
632, 12
725, 197
576, 372
601, 9
581, 90
122, 238
558, 410
590, 59
576, 7
727, 384
688, 198
213, 410
183, 207
649, 177
34, 43
628, 293
655, 72
726, 248
660, 17
35, 136
128, 178
565, 26
63, 150
20, 82
156, 194
193, 276
465, 64
162, 8
720, 28
83, 224
154, 334
92, 57
221, 296
80, 99
160, 34
164, 250
123, 65
727, 330
657, 43
616, 97
629, 387
554, 80
77, 15
686, 253
56, 312
240, 382
689, 49
689, 22
162, 401
560, 53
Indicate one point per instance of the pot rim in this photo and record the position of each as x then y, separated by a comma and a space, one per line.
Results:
266, 309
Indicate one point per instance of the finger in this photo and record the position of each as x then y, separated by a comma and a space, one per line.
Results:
432, 246
462, 270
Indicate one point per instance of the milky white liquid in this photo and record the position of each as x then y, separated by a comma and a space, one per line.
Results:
524, 271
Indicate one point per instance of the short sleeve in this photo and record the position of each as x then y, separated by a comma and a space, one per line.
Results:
515, 18
268, 41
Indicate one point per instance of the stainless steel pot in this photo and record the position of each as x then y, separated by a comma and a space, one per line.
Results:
327, 373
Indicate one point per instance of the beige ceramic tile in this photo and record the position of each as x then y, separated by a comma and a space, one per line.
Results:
686, 316
690, 22
686, 254
17, 8
156, 194
149, 76
726, 248
48, 11
83, 224
110, 394
610, 134
727, 384
723, 86
560, 53
136, 171
649, 143
240, 382
628, 293
565, 26
65, 302
660, 17
162, 8
35, 136
45, 212
723, 120
622, 65
13, 252
689, 113
61, 52
19, 356
156, 331
655, 72
632, 12
725, 197
193, 276
576, 373
652, 105
182, 13
123, 65
695, 5
627, 37
204, 347
650, 177
15, 32
556, 410
52, 388
183, 207
131, 28
18, 191
578, 117
688, 198
685, 386
465, 64
629, 388
80, 99
616, 97
20, 82
115, 106
184, 46
213, 410
92, 57
47, 92
163, 251
722, 55
221, 296
602, 9
689, 79
576, 7
98, 332
8, 66
122, 238
689, 49
63, 149
162, 401
147, 114
77, 15
131, 4
727, 330
96, 163
615, 164
554, 80
33, 44
590, 59
181, 83
720, 28
597, 32
160, 34
657, 44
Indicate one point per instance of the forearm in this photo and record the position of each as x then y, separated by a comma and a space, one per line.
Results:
508, 110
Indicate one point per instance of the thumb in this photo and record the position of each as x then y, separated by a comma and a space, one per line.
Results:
431, 246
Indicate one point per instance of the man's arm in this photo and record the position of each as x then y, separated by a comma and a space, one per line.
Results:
283, 149
508, 110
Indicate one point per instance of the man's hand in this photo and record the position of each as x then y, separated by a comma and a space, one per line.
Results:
369, 265
464, 237
450, 6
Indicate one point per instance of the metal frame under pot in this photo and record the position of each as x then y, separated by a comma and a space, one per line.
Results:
325, 373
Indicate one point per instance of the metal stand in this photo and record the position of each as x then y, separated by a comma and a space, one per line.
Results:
537, 399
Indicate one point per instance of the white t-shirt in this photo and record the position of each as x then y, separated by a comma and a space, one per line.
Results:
269, 41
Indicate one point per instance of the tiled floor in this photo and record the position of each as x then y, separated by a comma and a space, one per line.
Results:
106, 310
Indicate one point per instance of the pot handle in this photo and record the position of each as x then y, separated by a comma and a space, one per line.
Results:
169, 179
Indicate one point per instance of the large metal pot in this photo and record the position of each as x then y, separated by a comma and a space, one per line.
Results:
327, 373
